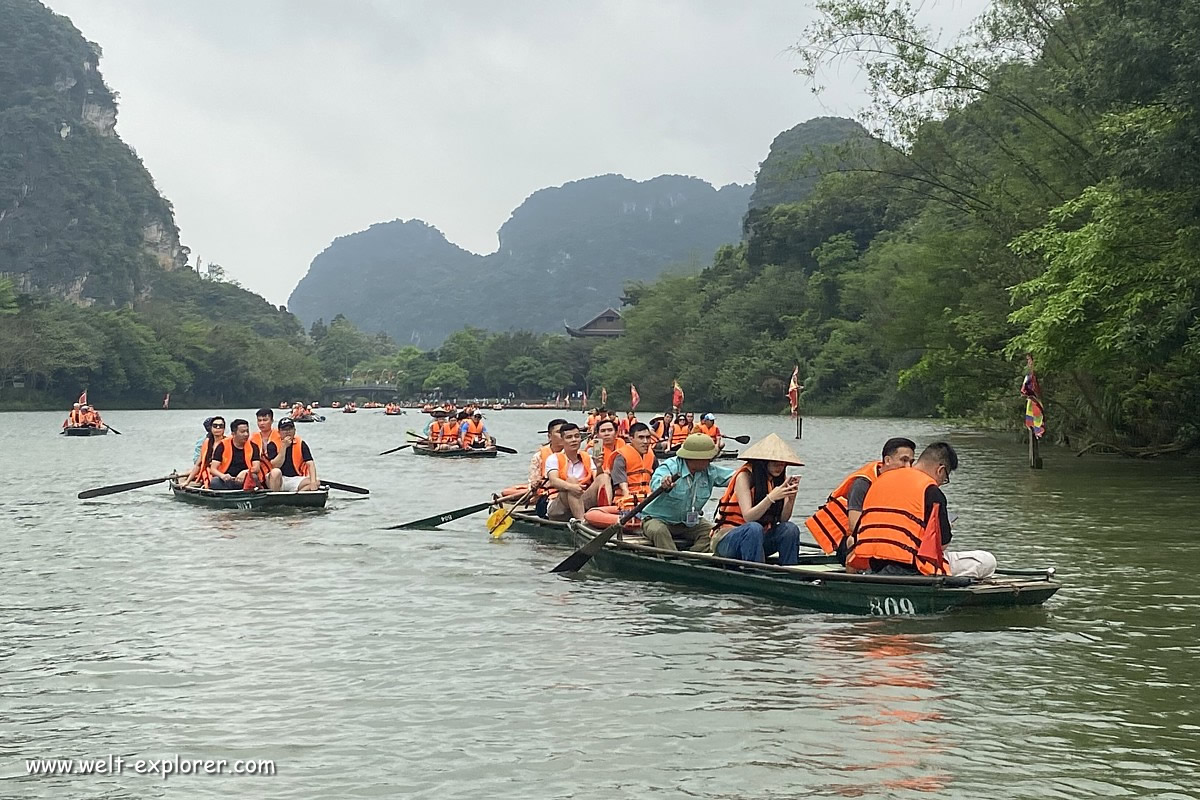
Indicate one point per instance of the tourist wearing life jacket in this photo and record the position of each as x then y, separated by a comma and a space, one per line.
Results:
472, 432
573, 478
626, 425
708, 426
266, 434
235, 460
214, 432
838, 516
680, 430
905, 523
753, 517
690, 477
72, 419
604, 448
537, 463
433, 428
660, 432
632, 467
291, 465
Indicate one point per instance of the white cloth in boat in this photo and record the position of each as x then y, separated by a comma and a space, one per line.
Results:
971, 563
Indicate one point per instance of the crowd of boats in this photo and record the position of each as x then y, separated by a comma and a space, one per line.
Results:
630, 497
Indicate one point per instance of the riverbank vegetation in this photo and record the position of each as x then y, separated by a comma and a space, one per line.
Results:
1032, 188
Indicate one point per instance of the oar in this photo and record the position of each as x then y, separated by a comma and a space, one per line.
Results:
345, 487
394, 449
738, 439
114, 430
577, 560
120, 487
441, 519
504, 449
498, 527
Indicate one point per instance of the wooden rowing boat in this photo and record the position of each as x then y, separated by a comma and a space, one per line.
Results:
84, 430
473, 452
250, 501
820, 586
725, 455
313, 418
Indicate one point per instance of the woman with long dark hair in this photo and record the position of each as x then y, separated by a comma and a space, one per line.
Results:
753, 518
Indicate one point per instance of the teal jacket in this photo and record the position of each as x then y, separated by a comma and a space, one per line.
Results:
691, 491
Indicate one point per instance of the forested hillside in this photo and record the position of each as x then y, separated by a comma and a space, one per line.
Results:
563, 254
80, 217
1038, 195
94, 288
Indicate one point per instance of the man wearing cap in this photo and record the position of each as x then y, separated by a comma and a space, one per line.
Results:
690, 477
291, 462
753, 516
708, 426
73, 418
472, 432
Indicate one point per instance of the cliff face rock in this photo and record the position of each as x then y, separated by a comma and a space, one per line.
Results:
80, 217
798, 157
564, 255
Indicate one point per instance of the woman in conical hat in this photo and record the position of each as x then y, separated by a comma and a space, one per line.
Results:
754, 515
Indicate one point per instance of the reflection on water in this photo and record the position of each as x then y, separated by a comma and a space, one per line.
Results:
371, 663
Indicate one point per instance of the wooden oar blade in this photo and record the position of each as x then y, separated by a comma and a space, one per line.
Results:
119, 487
504, 449
441, 519
739, 439
577, 560
395, 449
346, 487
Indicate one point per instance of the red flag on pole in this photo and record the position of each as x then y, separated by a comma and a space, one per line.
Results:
634, 397
83, 398
793, 392
603, 396
677, 396
167, 400
583, 399
1031, 390
931, 541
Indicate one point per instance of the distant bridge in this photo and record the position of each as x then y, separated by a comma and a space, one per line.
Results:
374, 391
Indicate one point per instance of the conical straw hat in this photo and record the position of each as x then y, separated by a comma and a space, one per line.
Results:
771, 448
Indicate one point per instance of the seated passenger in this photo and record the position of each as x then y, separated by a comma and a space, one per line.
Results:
753, 518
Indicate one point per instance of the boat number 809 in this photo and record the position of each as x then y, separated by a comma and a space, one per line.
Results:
890, 606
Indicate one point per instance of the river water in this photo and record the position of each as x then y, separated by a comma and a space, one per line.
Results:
369, 663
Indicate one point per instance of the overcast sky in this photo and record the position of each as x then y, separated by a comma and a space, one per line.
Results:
274, 126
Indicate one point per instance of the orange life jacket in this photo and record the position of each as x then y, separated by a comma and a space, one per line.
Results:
607, 454
830, 524
543, 453
299, 465
474, 430
729, 510
264, 466
437, 432
561, 465
893, 524
227, 459
638, 469
710, 429
679, 432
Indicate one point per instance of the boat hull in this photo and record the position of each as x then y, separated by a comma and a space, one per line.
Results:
817, 587
85, 430
485, 452
250, 501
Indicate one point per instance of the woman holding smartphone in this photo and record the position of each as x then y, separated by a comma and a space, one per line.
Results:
754, 515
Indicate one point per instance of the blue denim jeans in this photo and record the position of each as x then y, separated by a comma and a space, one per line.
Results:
749, 542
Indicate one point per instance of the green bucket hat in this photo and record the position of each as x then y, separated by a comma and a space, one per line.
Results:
698, 446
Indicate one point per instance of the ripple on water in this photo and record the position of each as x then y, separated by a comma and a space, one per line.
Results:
374, 663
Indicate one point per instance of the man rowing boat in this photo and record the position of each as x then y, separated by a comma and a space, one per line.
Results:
690, 476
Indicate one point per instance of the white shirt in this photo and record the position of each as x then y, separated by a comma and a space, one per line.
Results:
576, 471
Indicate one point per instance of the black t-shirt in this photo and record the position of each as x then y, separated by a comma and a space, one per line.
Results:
287, 468
239, 456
